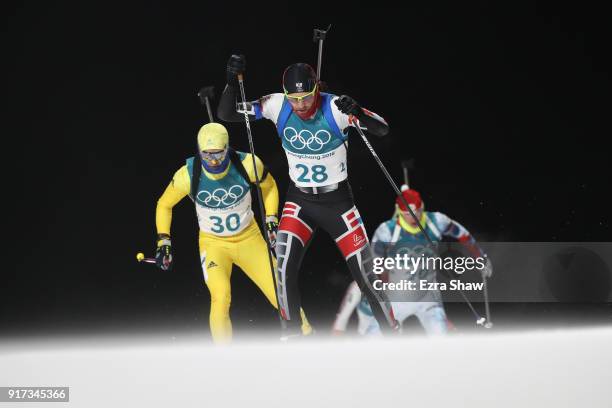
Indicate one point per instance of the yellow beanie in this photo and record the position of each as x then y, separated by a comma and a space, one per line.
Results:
213, 136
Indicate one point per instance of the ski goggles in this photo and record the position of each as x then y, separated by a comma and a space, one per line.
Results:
408, 215
213, 156
296, 99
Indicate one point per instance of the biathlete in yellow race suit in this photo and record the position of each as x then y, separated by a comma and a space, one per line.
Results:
228, 231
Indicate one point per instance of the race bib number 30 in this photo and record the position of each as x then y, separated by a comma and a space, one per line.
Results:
226, 221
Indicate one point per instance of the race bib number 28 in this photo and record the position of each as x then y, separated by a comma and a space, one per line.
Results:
316, 173
318, 170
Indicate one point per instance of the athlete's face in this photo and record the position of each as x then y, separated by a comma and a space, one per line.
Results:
213, 157
410, 219
301, 102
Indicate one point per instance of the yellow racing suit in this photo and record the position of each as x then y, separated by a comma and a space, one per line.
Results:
228, 233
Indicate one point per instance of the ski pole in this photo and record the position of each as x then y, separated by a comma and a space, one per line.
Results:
262, 211
393, 185
480, 321
319, 36
489, 323
140, 257
206, 94
407, 165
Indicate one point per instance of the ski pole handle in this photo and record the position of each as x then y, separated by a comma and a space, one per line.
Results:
206, 94
319, 36
141, 258
407, 166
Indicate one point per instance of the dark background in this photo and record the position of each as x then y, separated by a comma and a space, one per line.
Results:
505, 109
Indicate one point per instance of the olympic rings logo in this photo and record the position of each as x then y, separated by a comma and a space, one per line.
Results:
221, 196
414, 250
305, 138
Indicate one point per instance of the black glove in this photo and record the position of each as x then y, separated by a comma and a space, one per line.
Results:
348, 106
163, 254
235, 65
272, 229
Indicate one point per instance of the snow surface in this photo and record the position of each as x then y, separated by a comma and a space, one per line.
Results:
548, 368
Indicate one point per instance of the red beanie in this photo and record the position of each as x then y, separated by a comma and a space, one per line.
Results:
412, 197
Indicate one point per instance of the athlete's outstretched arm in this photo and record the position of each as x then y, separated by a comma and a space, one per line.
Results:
270, 195
452, 229
176, 190
365, 119
348, 113
228, 109
374, 124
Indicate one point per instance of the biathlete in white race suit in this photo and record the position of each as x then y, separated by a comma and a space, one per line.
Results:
400, 235
313, 129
